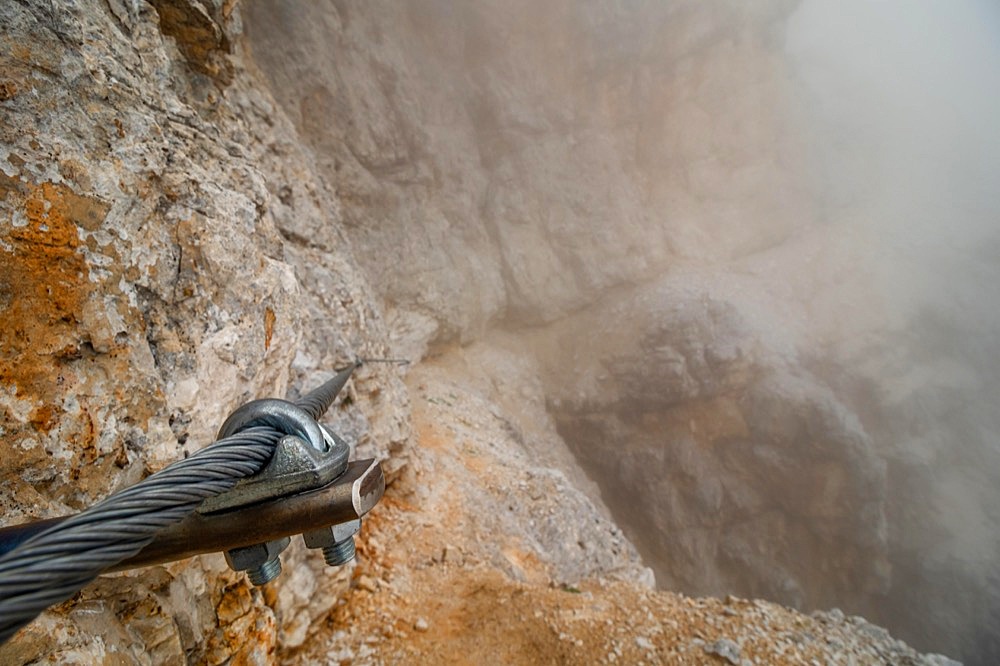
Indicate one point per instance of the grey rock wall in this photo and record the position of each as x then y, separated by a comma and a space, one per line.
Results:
171, 250
505, 162
733, 467
154, 275
521, 167
195, 211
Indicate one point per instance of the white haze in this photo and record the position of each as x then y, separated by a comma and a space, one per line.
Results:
904, 100
907, 93
506, 165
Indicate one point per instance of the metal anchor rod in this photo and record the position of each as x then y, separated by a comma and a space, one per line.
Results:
348, 497
317, 401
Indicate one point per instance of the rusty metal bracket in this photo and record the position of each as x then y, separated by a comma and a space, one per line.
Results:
348, 497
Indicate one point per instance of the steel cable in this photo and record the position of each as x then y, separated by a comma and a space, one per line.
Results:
317, 401
55, 564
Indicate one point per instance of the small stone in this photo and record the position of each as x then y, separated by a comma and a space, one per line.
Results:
726, 649
235, 603
421, 624
643, 643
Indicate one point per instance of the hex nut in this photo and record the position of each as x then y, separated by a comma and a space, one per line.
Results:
333, 535
251, 557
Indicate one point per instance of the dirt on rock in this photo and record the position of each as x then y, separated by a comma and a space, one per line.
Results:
433, 585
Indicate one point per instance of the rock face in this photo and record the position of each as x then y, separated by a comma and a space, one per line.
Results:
147, 290
443, 581
518, 157
608, 222
741, 472
728, 322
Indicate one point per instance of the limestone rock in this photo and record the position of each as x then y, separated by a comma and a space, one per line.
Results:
446, 124
146, 292
600, 224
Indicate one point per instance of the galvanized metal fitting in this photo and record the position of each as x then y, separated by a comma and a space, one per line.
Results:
284, 416
296, 466
308, 457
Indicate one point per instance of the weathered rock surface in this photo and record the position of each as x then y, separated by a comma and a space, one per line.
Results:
444, 582
147, 290
508, 166
614, 210
478, 476
519, 158
737, 470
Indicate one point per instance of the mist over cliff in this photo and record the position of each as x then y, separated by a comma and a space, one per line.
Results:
907, 153
700, 291
751, 248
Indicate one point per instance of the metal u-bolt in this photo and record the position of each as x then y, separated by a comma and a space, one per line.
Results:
339, 553
265, 573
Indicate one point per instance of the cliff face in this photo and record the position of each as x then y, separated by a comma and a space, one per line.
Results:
719, 281
602, 230
170, 250
147, 290
521, 158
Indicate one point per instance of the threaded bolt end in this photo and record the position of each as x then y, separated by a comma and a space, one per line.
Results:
339, 553
266, 572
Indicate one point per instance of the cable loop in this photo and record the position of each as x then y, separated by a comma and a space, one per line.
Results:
54, 564
285, 417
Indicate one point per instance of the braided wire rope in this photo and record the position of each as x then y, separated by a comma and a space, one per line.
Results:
317, 401
55, 564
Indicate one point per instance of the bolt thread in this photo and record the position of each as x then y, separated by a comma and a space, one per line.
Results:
339, 553
266, 572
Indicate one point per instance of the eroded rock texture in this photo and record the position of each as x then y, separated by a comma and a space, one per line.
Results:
146, 290
739, 469
615, 210
520, 157
775, 385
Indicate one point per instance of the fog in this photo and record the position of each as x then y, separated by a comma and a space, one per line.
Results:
752, 248
904, 98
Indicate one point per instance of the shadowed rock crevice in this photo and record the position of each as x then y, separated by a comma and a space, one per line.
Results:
198, 34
